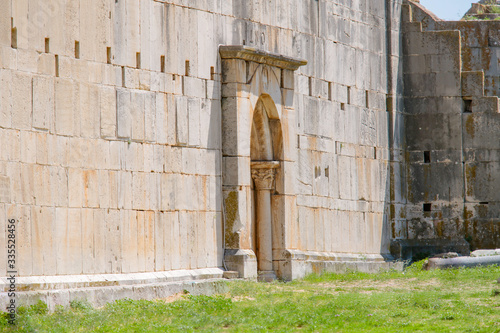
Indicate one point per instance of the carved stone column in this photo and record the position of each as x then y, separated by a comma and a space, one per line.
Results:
263, 176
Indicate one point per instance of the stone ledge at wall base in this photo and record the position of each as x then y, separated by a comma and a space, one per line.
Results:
408, 249
101, 289
295, 264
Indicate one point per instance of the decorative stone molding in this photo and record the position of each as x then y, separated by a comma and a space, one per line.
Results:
252, 54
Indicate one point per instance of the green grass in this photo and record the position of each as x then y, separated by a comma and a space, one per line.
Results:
459, 300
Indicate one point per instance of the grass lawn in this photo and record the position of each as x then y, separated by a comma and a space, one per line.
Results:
458, 300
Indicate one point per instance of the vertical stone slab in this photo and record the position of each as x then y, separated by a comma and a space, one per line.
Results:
161, 123
75, 187
89, 110
113, 241
141, 242
100, 236
201, 241
174, 240
167, 240
43, 102
88, 243
171, 119
149, 226
6, 98
43, 240
59, 186
90, 189
137, 115
150, 117
123, 113
145, 32
184, 240
65, 92
194, 121
182, 120
21, 100
128, 229
108, 112
159, 232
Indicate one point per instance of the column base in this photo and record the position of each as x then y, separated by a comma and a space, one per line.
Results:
242, 261
266, 276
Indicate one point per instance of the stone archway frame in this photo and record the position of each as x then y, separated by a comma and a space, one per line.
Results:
251, 76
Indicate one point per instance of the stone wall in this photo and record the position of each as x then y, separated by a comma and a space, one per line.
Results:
113, 157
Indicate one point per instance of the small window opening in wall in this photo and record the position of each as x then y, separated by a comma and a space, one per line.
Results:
330, 91
367, 99
427, 207
162, 63
47, 45
173, 77
427, 156
57, 64
348, 95
138, 60
77, 49
108, 55
374, 153
484, 203
342, 106
212, 73
13, 34
467, 105
310, 86
187, 68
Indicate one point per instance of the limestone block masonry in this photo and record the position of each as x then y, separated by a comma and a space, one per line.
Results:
148, 146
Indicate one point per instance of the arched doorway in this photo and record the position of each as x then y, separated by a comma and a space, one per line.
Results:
266, 146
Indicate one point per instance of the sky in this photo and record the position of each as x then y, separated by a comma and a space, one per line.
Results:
450, 10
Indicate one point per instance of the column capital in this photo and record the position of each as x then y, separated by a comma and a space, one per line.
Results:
263, 178
263, 174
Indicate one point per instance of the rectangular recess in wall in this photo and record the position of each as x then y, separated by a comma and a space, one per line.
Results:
212, 73
13, 34
310, 86
57, 64
77, 49
467, 105
427, 156
367, 99
108, 55
342, 106
123, 76
348, 95
330, 95
47, 45
162, 63
427, 207
484, 203
186, 68
138, 60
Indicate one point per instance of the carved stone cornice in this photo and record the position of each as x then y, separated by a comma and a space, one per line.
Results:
253, 54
